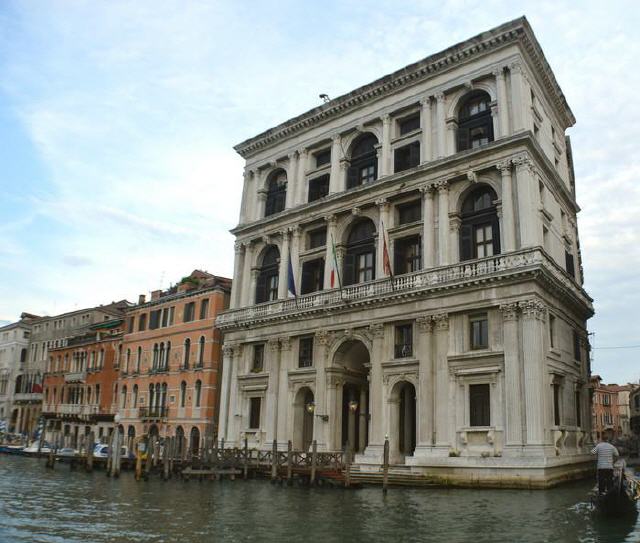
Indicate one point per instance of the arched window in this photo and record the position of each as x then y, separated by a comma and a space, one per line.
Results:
161, 359
123, 393
163, 400
267, 285
187, 352
138, 359
127, 361
201, 352
475, 124
151, 397
198, 391
183, 393
479, 231
158, 400
359, 261
363, 162
167, 355
276, 192
155, 356
134, 396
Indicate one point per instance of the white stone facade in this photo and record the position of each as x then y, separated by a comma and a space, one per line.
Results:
14, 343
473, 358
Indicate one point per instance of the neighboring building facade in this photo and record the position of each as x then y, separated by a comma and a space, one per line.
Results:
79, 386
634, 412
456, 174
14, 344
171, 353
611, 409
50, 333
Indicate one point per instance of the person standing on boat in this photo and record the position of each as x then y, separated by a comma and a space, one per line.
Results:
606, 453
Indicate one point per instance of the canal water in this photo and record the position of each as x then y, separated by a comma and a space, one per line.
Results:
39, 505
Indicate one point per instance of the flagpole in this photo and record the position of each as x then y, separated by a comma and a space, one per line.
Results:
336, 267
386, 261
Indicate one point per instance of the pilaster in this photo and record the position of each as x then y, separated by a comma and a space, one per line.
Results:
512, 377
508, 216
292, 181
443, 440
425, 438
284, 397
320, 425
517, 96
284, 265
383, 224
503, 113
336, 180
428, 228
440, 124
328, 255
376, 400
528, 203
443, 222
248, 279
425, 117
238, 271
386, 146
273, 361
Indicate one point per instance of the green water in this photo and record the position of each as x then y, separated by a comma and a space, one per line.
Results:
39, 505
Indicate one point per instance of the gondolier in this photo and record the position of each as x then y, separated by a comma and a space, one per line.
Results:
606, 453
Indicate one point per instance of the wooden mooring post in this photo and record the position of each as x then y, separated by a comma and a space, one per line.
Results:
314, 462
274, 461
117, 457
385, 466
165, 459
139, 452
289, 462
147, 464
89, 464
347, 465
245, 460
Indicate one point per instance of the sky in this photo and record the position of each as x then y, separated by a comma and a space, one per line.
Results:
117, 122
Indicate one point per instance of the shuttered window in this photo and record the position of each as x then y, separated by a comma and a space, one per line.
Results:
479, 405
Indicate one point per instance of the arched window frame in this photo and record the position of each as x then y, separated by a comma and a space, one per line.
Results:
360, 256
187, 353
201, 347
479, 216
363, 161
198, 393
475, 122
268, 275
183, 393
276, 188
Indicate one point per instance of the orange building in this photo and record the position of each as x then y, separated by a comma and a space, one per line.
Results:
171, 354
80, 383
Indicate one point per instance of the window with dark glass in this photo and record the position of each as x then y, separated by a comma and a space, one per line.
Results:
556, 404
578, 409
475, 125
267, 284
408, 124
189, 311
403, 346
552, 330
577, 355
204, 308
569, 264
323, 157
254, 413
318, 187
317, 238
258, 358
276, 193
479, 325
154, 319
187, 353
480, 405
363, 164
305, 352
479, 230
406, 157
312, 276
130, 323
410, 212
407, 253
165, 317
359, 260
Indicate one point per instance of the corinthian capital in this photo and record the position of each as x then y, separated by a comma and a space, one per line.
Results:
441, 321
532, 309
442, 185
425, 323
509, 311
504, 166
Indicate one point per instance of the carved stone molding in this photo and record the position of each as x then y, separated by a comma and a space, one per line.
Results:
532, 309
322, 337
425, 324
471, 176
285, 343
515, 67
504, 166
386, 118
382, 203
509, 311
356, 211
238, 247
439, 96
330, 219
425, 101
427, 190
498, 72
377, 330
442, 185
227, 350
274, 345
441, 321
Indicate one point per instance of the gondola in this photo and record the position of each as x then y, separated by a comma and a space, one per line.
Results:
621, 497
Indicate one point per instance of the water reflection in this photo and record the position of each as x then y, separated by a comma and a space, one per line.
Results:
37, 505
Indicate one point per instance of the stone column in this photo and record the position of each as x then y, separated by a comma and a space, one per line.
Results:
292, 181
351, 426
248, 280
334, 411
512, 376
238, 270
508, 216
383, 224
386, 146
362, 422
442, 383
283, 402
535, 389
503, 111
450, 137
284, 266
443, 222
320, 426
454, 237
426, 386
228, 397
303, 164
425, 116
271, 418
247, 187
336, 179
428, 228
295, 256
377, 401
440, 124
517, 97
528, 203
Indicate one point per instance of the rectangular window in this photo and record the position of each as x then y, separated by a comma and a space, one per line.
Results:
408, 124
130, 324
204, 308
165, 317
570, 267
318, 188
366, 174
305, 352
317, 238
407, 255
364, 267
578, 410
556, 404
483, 240
410, 212
576, 347
254, 413
403, 346
323, 157
258, 358
172, 310
406, 157
552, 331
312, 276
189, 311
154, 319
479, 326
480, 405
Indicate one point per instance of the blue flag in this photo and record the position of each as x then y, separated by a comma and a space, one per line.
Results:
291, 282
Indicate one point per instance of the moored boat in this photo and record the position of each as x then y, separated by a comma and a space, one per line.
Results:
621, 497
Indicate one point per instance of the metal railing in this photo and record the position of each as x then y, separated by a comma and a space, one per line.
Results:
159, 412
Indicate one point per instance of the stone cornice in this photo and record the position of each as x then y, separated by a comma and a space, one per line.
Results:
516, 31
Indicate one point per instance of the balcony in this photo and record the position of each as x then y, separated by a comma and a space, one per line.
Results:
72, 409
146, 413
75, 377
28, 397
532, 262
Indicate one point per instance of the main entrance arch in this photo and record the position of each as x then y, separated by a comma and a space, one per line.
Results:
402, 420
304, 407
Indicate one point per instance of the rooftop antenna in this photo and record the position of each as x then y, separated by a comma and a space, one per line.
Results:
325, 98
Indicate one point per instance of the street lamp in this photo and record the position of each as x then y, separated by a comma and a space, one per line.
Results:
353, 406
310, 407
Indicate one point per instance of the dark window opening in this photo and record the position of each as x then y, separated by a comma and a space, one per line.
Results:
406, 157
323, 157
475, 125
305, 353
130, 324
258, 358
577, 355
312, 276
578, 409
267, 284
403, 346
410, 212
154, 319
479, 332
363, 166
552, 331
276, 193
409, 124
189, 311
480, 230
317, 238
318, 188
359, 261
570, 267
480, 405
254, 413
204, 308
556, 404
407, 255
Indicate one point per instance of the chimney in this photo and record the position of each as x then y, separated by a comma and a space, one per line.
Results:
155, 294
141, 299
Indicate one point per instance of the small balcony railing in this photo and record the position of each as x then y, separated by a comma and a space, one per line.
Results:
75, 377
404, 350
160, 412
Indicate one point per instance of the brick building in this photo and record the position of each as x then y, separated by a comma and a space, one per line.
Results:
612, 409
168, 384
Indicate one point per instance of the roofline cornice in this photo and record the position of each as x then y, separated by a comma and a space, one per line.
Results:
517, 30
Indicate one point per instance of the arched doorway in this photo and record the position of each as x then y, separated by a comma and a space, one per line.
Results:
304, 408
402, 420
179, 441
194, 442
352, 357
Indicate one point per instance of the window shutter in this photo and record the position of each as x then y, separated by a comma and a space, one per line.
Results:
462, 137
349, 269
261, 288
466, 242
495, 228
352, 177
